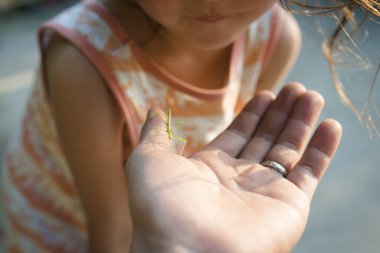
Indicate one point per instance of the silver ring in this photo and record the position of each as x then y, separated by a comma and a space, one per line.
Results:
276, 166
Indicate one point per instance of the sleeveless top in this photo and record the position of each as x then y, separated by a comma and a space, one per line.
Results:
42, 212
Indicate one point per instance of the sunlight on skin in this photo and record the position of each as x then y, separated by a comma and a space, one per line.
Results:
217, 201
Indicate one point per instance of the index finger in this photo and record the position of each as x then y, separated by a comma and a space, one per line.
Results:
236, 136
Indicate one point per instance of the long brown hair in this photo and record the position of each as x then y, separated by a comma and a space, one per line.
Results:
345, 12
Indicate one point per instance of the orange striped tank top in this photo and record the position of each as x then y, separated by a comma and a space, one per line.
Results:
42, 212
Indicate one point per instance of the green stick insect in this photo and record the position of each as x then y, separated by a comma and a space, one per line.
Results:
171, 135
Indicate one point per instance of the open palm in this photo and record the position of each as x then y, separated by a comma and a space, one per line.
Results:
221, 199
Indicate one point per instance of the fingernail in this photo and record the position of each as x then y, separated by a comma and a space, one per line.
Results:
151, 113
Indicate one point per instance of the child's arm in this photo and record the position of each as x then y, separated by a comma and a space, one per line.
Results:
90, 127
284, 54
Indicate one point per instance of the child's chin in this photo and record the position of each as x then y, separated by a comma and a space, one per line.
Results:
208, 43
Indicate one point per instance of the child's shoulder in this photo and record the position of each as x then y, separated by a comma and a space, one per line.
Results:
289, 32
280, 50
87, 20
72, 77
74, 44
60, 53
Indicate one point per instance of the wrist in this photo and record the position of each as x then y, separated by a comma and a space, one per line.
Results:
144, 243
152, 244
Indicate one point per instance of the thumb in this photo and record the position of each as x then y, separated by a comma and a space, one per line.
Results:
154, 131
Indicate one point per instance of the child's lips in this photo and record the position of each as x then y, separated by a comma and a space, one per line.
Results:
212, 18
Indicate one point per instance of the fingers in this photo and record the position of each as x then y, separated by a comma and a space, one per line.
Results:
154, 131
316, 158
240, 131
292, 140
272, 123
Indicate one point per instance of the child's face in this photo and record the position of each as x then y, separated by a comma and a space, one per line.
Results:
206, 24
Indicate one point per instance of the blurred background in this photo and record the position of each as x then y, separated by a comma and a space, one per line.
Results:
345, 214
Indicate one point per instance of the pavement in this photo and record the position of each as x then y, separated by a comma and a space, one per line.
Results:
345, 213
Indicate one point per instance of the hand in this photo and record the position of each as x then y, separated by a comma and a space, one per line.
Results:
221, 199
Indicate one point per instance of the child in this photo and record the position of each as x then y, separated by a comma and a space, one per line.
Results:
103, 65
